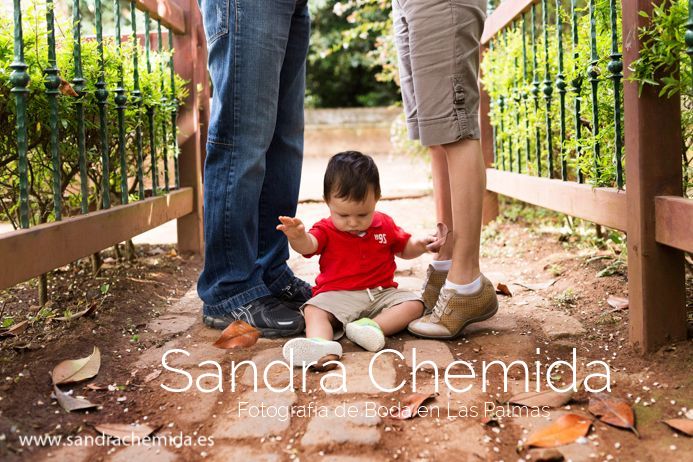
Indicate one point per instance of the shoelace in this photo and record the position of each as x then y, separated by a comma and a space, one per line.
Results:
441, 303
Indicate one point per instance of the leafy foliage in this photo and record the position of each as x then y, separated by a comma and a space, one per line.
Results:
664, 64
344, 67
38, 120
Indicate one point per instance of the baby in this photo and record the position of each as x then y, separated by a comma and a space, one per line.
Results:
355, 290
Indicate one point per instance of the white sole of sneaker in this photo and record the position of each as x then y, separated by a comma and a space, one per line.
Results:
365, 336
307, 351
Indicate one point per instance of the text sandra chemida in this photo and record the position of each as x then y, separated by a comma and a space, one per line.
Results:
597, 374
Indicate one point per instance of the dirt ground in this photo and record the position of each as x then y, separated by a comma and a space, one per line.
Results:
527, 246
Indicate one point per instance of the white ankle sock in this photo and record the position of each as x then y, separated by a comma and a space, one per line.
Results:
441, 265
465, 289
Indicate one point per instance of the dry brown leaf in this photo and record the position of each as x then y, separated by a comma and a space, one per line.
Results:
537, 285
76, 370
66, 88
152, 375
617, 303
85, 312
126, 432
322, 365
69, 403
95, 387
503, 289
613, 411
411, 405
441, 236
564, 430
15, 329
238, 334
685, 426
542, 398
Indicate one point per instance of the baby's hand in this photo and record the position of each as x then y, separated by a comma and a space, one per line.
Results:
292, 227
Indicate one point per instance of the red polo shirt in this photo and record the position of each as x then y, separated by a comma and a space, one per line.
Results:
350, 262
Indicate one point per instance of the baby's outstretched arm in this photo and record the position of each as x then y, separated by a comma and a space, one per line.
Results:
299, 240
416, 247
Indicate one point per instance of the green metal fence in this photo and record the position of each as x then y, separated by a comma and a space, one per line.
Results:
105, 135
563, 74
113, 167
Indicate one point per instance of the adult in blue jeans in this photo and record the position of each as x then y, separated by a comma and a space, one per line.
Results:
257, 63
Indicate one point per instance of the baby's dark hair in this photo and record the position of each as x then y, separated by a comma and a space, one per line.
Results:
349, 176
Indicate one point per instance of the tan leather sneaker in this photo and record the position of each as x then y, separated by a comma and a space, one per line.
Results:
431, 288
453, 312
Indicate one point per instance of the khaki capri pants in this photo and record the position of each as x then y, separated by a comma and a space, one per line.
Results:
438, 52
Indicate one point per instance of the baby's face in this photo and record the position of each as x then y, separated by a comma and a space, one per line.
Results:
351, 216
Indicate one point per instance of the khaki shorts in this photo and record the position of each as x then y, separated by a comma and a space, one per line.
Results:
438, 51
350, 305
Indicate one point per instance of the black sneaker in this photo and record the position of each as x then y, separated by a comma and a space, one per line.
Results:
269, 315
297, 291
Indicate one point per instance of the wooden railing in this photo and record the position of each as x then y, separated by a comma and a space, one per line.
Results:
542, 165
140, 203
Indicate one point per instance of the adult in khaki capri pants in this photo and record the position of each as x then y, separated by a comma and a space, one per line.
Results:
438, 47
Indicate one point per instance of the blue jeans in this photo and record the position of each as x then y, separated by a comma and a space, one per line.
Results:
257, 63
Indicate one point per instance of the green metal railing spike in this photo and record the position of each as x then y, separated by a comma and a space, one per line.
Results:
137, 101
525, 93
517, 98
561, 85
509, 99
101, 101
501, 105
150, 108
163, 104
19, 80
174, 113
121, 101
535, 88
593, 73
78, 85
576, 84
688, 36
615, 67
52, 83
548, 87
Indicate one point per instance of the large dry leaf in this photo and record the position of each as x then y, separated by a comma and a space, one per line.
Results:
542, 398
69, 403
537, 285
565, 430
322, 365
238, 334
440, 238
617, 303
685, 426
15, 329
85, 312
66, 89
126, 432
503, 289
613, 411
411, 405
76, 370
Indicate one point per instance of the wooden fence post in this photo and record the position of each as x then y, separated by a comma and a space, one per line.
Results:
490, 204
190, 61
656, 284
